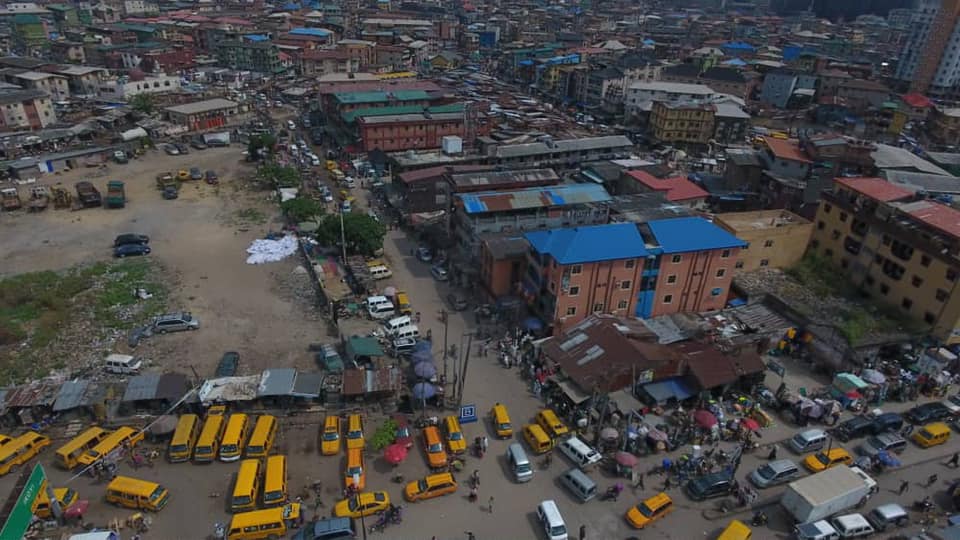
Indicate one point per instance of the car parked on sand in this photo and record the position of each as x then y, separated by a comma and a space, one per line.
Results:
175, 322
130, 238
128, 250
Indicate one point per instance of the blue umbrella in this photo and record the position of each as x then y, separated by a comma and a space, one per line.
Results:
425, 370
423, 345
418, 357
424, 390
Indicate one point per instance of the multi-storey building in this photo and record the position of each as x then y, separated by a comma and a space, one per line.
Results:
640, 94
896, 247
411, 131
259, 56
775, 238
928, 62
26, 109
684, 122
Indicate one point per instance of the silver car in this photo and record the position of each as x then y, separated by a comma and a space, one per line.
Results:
775, 472
175, 322
890, 442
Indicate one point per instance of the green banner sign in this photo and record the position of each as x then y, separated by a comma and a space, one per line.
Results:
21, 515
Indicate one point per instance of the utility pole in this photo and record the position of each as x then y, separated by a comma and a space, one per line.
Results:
446, 318
343, 238
463, 375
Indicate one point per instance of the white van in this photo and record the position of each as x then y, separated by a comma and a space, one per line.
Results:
519, 463
581, 485
382, 311
397, 323
580, 452
411, 331
818, 530
852, 526
122, 364
810, 440
379, 272
373, 301
552, 521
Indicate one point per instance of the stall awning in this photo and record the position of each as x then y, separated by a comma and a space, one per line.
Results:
572, 392
668, 389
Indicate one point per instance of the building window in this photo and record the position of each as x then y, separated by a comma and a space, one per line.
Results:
667, 299
907, 303
764, 262
768, 243
929, 318
625, 284
721, 272
622, 304
574, 291
672, 278
724, 254
917, 281
716, 292
843, 216
925, 260
676, 259
739, 264
629, 263
941, 295
571, 311
575, 269
884, 288
597, 307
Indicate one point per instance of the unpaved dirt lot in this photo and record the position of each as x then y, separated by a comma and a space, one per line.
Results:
199, 241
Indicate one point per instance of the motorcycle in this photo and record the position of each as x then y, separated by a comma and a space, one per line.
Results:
759, 519
924, 505
612, 493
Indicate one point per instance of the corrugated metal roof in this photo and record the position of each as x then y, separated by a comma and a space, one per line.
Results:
277, 382
70, 395
566, 145
380, 96
681, 235
227, 389
35, 393
363, 346
365, 381
589, 244
540, 197
493, 178
307, 385
172, 386
142, 387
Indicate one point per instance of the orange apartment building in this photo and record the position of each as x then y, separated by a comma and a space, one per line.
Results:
413, 131
661, 267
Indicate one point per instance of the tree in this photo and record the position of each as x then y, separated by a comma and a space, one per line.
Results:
265, 142
364, 234
301, 209
276, 176
142, 102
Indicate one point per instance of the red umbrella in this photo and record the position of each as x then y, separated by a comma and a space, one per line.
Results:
705, 419
77, 509
395, 453
626, 459
750, 424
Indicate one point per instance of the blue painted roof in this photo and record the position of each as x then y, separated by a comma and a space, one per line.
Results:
256, 37
310, 32
681, 235
538, 197
589, 244
739, 46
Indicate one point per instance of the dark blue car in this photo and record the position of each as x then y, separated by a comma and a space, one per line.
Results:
127, 250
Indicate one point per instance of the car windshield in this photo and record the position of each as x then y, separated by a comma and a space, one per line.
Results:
379, 496
558, 530
186, 318
241, 500
874, 442
352, 505
229, 448
823, 458
422, 486
435, 448
926, 434
523, 468
504, 426
354, 470
644, 509
403, 432
354, 434
331, 436
766, 472
456, 436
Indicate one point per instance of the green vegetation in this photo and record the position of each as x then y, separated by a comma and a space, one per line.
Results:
385, 434
143, 103
38, 309
301, 209
274, 176
364, 234
250, 216
261, 146
853, 315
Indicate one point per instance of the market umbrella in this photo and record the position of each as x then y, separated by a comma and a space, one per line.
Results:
626, 459
424, 390
390, 292
750, 423
419, 357
873, 376
609, 433
705, 419
77, 509
425, 370
423, 345
395, 453
657, 435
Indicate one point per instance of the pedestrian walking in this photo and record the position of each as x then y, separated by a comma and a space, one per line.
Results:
773, 453
931, 480
955, 460
904, 487
490, 504
666, 482
476, 477
583, 532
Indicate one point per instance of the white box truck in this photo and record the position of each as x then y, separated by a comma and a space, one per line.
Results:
824, 494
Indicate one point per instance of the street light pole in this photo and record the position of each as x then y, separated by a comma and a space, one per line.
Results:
446, 319
343, 238
463, 375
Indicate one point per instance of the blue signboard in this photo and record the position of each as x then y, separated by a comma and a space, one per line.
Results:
468, 414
